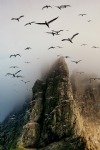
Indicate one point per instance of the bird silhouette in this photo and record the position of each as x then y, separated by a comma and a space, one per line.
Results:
25, 81
17, 18
46, 6
27, 48
15, 55
59, 47
47, 22
82, 15
52, 47
89, 20
70, 39
83, 44
14, 67
57, 32
63, 6
19, 76
13, 74
95, 47
52, 33
77, 61
29, 23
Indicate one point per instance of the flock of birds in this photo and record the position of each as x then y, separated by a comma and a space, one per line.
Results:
53, 33
15, 75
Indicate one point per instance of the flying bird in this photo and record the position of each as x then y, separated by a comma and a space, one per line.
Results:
25, 81
17, 18
82, 15
83, 44
13, 74
14, 67
62, 6
29, 23
52, 47
46, 6
95, 47
59, 47
77, 61
89, 20
57, 32
27, 48
15, 55
65, 6
52, 33
19, 76
47, 22
70, 39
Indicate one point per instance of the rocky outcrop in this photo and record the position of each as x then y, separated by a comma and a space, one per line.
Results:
64, 113
52, 121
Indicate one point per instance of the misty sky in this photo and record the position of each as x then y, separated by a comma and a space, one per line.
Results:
15, 37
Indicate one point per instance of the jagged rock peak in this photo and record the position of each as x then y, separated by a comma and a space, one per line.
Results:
51, 120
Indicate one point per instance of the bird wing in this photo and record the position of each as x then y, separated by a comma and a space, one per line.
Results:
14, 19
11, 55
63, 6
21, 16
74, 35
19, 76
51, 47
32, 22
53, 20
64, 39
60, 30
18, 55
26, 24
43, 7
8, 74
49, 6
39, 23
18, 71
49, 32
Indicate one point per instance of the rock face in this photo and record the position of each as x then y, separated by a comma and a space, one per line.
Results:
52, 120
64, 113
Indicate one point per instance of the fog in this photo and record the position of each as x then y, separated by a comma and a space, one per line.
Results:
15, 37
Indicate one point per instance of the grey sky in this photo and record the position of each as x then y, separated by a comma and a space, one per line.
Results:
15, 37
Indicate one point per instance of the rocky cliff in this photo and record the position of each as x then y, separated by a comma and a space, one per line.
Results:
64, 113
54, 121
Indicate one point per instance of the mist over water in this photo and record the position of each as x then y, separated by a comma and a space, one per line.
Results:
15, 37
